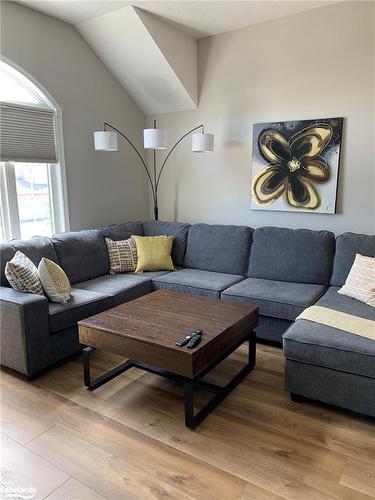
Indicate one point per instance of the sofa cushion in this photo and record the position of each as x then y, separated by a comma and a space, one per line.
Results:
333, 300
83, 254
117, 232
177, 229
316, 344
196, 282
34, 248
347, 245
219, 248
82, 304
121, 287
294, 255
277, 299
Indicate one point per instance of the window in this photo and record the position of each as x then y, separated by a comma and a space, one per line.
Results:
32, 187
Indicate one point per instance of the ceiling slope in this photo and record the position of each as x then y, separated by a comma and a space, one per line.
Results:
153, 61
197, 18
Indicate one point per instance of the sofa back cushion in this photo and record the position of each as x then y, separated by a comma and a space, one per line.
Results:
83, 254
118, 232
224, 249
295, 255
34, 248
347, 245
177, 229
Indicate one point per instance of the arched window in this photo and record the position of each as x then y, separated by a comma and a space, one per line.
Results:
32, 181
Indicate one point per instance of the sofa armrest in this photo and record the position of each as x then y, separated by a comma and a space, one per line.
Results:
24, 329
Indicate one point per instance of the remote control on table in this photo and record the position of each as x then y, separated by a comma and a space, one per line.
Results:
194, 341
184, 340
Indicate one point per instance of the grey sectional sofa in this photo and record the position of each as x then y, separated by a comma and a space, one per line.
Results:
282, 270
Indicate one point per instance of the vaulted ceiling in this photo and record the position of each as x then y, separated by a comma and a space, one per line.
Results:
154, 61
151, 46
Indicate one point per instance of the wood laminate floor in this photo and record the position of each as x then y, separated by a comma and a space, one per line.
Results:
127, 440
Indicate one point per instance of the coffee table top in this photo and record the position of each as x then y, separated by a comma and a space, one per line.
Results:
147, 328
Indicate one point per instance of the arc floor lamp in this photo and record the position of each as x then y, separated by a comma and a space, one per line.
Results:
153, 138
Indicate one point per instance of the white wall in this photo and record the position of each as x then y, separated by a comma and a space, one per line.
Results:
102, 187
316, 64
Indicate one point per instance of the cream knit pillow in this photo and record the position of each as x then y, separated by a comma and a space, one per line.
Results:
23, 275
122, 255
54, 281
360, 283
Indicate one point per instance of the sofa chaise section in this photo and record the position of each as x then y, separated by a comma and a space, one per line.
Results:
329, 364
332, 365
288, 271
216, 258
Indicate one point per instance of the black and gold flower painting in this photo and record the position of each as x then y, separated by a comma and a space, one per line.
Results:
296, 165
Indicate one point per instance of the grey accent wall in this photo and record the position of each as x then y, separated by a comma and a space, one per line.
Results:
315, 64
102, 187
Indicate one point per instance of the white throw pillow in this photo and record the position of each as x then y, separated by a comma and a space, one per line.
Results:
360, 283
23, 275
54, 281
122, 255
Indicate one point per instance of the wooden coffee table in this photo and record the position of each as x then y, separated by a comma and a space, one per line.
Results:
145, 330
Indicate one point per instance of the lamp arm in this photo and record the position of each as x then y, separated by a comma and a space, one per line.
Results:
171, 151
139, 155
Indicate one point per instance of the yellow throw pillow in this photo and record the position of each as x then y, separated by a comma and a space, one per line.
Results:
154, 253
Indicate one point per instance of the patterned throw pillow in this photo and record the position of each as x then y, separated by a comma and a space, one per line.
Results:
54, 281
23, 275
122, 255
360, 283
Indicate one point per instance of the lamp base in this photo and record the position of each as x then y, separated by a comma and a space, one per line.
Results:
156, 213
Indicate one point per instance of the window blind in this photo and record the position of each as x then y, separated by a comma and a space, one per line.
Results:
27, 134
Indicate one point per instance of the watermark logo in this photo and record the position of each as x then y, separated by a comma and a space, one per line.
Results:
11, 490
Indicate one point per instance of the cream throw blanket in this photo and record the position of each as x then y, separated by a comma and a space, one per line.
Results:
342, 321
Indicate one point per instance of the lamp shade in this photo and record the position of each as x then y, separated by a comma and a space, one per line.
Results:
155, 138
202, 143
105, 141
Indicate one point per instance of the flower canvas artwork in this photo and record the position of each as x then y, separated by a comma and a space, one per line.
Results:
296, 165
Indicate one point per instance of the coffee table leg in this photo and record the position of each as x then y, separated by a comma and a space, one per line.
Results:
189, 404
86, 365
192, 420
94, 383
252, 350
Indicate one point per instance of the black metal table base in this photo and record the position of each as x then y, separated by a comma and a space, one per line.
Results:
191, 419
